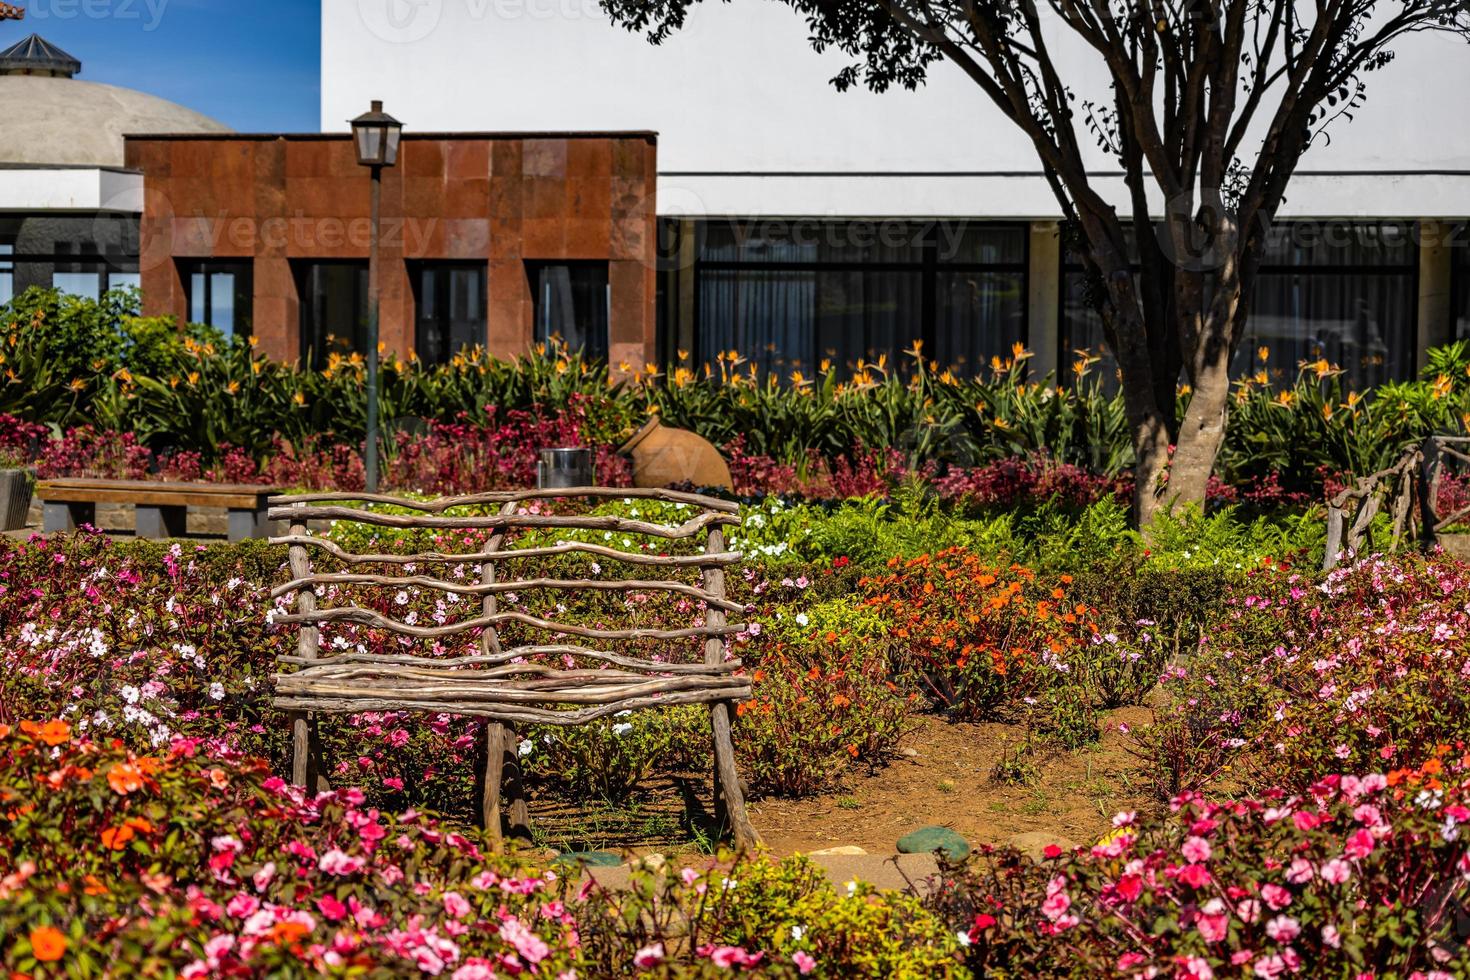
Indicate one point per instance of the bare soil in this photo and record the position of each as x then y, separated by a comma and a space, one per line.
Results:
1070, 798
1073, 796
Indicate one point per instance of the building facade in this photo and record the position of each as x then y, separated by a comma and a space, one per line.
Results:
800, 224
68, 205
487, 239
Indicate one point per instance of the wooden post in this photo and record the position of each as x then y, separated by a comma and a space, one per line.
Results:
307, 765
729, 800
492, 765
494, 748
1429, 473
515, 787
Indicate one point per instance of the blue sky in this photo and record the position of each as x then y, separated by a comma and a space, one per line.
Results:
251, 64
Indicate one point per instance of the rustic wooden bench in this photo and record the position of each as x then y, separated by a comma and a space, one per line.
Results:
159, 508
521, 665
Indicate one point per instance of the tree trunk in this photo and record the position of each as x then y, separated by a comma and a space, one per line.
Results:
1202, 432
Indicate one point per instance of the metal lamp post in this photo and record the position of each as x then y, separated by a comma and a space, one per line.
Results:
376, 135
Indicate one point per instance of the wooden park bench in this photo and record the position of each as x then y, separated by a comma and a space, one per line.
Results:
159, 508
518, 666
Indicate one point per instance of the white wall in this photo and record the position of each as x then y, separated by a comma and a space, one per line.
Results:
743, 107
70, 189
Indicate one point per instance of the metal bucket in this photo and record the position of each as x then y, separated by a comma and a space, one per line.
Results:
568, 466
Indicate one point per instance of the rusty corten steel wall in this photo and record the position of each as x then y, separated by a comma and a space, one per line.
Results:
503, 199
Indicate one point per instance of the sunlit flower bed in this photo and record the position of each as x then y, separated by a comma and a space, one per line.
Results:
141, 822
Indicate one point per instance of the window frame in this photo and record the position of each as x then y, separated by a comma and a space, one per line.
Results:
416, 268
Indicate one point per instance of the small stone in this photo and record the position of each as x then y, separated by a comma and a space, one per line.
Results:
1033, 844
588, 859
908, 753
649, 862
839, 849
926, 840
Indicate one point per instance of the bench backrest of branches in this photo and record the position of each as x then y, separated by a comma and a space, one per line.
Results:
501, 642
1409, 489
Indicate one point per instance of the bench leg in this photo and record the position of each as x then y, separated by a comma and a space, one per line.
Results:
66, 516
499, 771
515, 789
729, 799
492, 766
248, 523
160, 522
308, 764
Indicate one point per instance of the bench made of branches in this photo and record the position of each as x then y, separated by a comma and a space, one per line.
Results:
1409, 488
520, 664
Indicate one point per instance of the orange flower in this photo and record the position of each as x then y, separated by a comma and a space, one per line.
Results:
124, 778
116, 838
47, 944
54, 732
287, 932
94, 886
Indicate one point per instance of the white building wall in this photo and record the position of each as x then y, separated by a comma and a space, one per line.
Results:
749, 125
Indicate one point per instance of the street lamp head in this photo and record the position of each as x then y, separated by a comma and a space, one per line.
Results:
376, 134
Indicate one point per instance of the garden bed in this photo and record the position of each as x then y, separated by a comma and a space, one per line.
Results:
1261, 767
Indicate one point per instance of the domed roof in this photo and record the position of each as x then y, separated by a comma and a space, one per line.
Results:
59, 121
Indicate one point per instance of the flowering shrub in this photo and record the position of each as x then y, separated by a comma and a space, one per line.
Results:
1363, 669
978, 635
193, 860
1355, 876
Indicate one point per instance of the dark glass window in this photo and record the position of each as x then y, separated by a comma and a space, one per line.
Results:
1341, 291
333, 309
1460, 257
220, 294
570, 300
449, 305
792, 295
1344, 292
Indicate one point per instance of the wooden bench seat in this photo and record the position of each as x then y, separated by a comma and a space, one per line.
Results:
159, 508
361, 648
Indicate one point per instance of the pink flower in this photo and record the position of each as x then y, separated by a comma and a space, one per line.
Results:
1056, 905
1197, 849
1213, 923
1360, 844
1194, 968
455, 905
1336, 871
331, 909
1300, 871
335, 862
474, 968
1276, 896
262, 878
1331, 938
804, 962
527, 943
1283, 929
729, 957
1249, 910
1270, 967
649, 956
242, 906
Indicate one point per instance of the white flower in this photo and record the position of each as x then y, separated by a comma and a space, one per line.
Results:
797, 932
963, 937
802, 619
217, 691
525, 748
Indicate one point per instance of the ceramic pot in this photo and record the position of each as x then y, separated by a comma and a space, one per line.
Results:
664, 457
